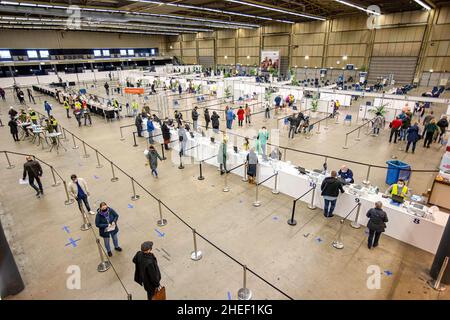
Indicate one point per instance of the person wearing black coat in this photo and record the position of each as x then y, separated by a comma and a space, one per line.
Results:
13, 126
138, 123
377, 224
33, 169
292, 125
166, 135
147, 272
207, 118
215, 121
195, 118
330, 191
12, 113
105, 219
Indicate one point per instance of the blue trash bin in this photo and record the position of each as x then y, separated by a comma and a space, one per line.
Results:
397, 170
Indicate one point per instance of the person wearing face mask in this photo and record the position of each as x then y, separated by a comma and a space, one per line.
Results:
346, 174
106, 222
398, 189
78, 189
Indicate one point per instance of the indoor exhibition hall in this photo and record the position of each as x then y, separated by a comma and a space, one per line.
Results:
224, 150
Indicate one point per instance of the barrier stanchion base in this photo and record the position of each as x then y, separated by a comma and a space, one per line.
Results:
121, 139
103, 266
366, 182
114, 179
358, 139
275, 191
345, 147
355, 225
226, 189
180, 166
135, 197
292, 222
256, 204
162, 222
312, 207
68, 202
86, 156
56, 184
244, 294
244, 180
75, 147
85, 226
196, 255
432, 283
93, 213
10, 167
99, 166
201, 178
338, 245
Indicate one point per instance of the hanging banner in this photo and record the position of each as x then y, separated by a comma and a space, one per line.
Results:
134, 90
270, 61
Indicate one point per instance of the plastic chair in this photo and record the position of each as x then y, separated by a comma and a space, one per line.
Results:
348, 117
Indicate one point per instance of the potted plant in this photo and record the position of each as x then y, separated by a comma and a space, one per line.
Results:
379, 110
314, 106
227, 93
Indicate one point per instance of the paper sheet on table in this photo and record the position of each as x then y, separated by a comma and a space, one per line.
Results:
21, 181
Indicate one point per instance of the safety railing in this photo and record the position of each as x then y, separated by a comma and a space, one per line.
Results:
257, 203
338, 242
201, 177
359, 132
226, 188
292, 221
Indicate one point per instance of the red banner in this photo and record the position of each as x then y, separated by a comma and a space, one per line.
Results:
134, 90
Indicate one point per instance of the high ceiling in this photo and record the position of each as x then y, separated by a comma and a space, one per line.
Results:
186, 16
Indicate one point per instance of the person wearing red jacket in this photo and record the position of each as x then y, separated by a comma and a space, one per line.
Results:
395, 126
240, 114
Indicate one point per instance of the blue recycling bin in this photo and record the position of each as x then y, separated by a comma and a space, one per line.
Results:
397, 170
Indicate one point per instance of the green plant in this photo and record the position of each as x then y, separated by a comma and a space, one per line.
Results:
227, 92
380, 109
363, 68
253, 72
268, 95
314, 103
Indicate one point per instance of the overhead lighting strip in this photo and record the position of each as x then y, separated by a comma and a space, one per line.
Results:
358, 7
251, 4
231, 24
423, 4
186, 6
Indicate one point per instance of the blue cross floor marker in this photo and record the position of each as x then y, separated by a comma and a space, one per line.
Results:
72, 242
130, 206
160, 234
66, 229
229, 295
319, 240
275, 218
96, 177
388, 273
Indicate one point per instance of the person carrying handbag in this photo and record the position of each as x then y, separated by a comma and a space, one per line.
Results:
147, 272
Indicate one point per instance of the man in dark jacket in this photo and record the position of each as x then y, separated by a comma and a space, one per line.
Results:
377, 224
147, 272
292, 125
138, 123
215, 121
34, 171
207, 118
195, 118
443, 125
330, 190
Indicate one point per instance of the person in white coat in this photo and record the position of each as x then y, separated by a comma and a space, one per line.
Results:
78, 189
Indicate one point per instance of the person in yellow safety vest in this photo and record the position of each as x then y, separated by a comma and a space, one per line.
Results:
116, 107
67, 107
54, 123
33, 115
398, 189
135, 108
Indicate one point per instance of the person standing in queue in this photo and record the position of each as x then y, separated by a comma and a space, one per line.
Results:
147, 272
33, 169
207, 118
165, 130
106, 222
138, 124
330, 191
78, 189
376, 225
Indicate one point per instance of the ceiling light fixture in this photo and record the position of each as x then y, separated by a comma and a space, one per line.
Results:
358, 7
276, 10
423, 4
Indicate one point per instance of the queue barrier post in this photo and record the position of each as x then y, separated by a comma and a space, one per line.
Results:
55, 183
121, 134
257, 203
64, 134
338, 243
162, 152
10, 166
86, 224
436, 284
326, 122
355, 224
74, 143
99, 165
86, 155
104, 264
225, 187
181, 160
114, 178
161, 222
245, 178
318, 127
129, 296
346, 141
244, 293
292, 221
367, 182
201, 177
196, 254
135, 196
357, 137
311, 204
275, 189
68, 199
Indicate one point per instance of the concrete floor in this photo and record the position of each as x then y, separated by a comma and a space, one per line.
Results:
298, 260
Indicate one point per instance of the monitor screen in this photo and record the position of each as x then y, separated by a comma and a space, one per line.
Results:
97, 53
5, 54
44, 54
105, 53
131, 52
123, 52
